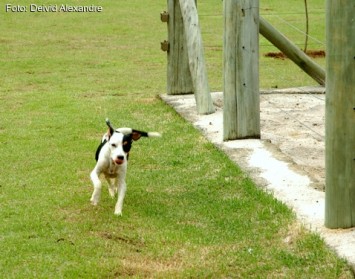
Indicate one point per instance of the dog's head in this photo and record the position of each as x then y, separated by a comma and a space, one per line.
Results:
120, 145
119, 142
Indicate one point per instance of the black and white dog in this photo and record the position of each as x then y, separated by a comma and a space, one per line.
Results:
112, 156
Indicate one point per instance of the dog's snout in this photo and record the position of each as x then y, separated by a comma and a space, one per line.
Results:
119, 159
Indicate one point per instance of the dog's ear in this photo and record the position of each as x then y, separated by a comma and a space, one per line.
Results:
136, 135
109, 133
111, 130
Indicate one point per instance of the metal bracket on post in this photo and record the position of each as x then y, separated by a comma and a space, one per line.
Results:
164, 16
164, 45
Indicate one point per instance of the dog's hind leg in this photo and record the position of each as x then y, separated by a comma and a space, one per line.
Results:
112, 188
95, 197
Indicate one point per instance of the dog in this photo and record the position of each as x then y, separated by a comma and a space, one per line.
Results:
112, 159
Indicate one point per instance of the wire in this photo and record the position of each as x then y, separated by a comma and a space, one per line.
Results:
299, 30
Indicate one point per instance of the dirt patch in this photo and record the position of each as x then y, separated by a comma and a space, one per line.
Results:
295, 124
293, 121
311, 53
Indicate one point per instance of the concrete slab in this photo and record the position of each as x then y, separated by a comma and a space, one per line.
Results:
288, 160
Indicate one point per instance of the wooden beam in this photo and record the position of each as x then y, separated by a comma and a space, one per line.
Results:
340, 115
292, 51
195, 52
241, 109
178, 72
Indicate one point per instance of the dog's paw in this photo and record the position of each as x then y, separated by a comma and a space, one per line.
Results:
93, 201
118, 213
118, 209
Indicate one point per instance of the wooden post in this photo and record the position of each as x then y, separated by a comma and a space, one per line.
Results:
241, 111
178, 73
197, 66
292, 51
340, 115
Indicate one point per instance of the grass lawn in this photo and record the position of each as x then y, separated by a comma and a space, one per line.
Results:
189, 212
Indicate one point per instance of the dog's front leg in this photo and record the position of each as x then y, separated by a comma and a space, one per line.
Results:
121, 194
95, 197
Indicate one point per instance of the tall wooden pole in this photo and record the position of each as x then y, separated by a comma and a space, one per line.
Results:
195, 52
178, 72
241, 111
340, 115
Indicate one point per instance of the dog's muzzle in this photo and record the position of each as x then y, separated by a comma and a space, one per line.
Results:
119, 160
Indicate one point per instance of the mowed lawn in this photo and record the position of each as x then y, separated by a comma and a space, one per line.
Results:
189, 212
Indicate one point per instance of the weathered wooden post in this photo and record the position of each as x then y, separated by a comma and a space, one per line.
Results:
340, 115
241, 111
195, 52
178, 73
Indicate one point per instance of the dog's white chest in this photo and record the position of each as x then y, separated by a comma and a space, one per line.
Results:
112, 170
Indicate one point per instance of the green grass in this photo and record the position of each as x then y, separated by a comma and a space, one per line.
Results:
189, 211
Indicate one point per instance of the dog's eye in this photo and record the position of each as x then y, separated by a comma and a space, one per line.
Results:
125, 142
113, 145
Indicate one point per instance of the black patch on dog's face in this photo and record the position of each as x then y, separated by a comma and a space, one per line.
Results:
127, 143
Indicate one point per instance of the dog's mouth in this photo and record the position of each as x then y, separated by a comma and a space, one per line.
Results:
118, 161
